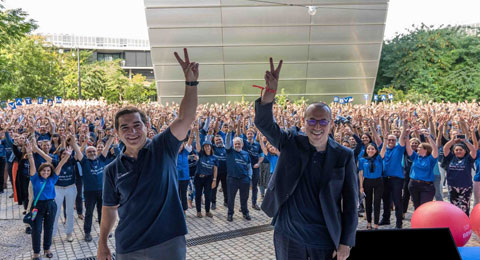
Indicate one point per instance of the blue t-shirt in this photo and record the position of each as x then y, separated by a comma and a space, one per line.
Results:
253, 149
3, 151
67, 174
364, 165
422, 167
459, 172
206, 163
221, 154
92, 172
477, 167
41, 137
48, 192
39, 159
238, 165
273, 159
393, 161
150, 211
182, 166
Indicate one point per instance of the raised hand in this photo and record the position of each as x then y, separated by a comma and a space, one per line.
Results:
272, 76
190, 69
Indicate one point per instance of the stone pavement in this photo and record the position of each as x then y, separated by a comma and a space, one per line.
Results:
15, 244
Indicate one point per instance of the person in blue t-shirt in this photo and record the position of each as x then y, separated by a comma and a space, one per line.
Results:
43, 184
205, 176
393, 178
140, 184
459, 165
239, 175
221, 153
183, 171
92, 176
256, 156
424, 159
271, 157
371, 181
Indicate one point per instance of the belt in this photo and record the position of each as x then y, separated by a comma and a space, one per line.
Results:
202, 175
420, 181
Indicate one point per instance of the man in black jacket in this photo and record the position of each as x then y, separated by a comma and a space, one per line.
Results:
313, 193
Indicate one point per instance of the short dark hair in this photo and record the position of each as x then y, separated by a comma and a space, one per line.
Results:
45, 165
319, 105
129, 110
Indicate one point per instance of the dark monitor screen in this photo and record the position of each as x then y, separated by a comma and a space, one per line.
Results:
430, 243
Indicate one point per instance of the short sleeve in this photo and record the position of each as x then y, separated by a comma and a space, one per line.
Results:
110, 195
168, 142
413, 156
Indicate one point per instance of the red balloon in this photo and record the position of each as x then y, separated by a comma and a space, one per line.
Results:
436, 214
475, 219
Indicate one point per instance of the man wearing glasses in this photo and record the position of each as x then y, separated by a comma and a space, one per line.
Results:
393, 178
313, 193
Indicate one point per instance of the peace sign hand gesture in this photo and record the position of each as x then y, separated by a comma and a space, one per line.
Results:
272, 76
190, 69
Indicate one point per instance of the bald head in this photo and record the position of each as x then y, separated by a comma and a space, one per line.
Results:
318, 105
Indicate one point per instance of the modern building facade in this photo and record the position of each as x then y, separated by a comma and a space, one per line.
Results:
329, 47
134, 54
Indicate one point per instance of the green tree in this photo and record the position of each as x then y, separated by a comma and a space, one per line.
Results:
439, 62
138, 90
398, 95
14, 25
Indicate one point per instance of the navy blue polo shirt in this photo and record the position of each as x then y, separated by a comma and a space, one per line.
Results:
238, 165
67, 174
393, 161
301, 218
206, 163
48, 192
221, 154
364, 165
92, 173
146, 192
182, 165
422, 167
459, 171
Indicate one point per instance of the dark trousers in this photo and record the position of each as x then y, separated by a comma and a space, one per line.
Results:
182, 192
373, 193
255, 178
47, 209
406, 194
79, 198
10, 174
421, 192
392, 191
203, 185
234, 185
92, 198
2, 173
221, 178
25, 180
288, 249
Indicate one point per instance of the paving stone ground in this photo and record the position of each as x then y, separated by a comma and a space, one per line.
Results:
15, 244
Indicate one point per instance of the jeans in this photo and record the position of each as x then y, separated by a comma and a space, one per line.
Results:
393, 192
288, 249
234, 185
173, 249
255, 178
92, 198
373, 194
421, 192
221, 178
65, 196
203, 185
45, 218
182, 192
438, 188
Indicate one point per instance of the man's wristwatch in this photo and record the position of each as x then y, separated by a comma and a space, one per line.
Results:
191, 83
214, 179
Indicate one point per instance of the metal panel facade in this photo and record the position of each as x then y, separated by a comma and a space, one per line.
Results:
332, 53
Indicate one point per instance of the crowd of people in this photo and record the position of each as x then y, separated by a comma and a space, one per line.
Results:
55, 156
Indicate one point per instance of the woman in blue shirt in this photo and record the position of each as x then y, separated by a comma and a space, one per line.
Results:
459, 167
46, 206
424, 159
183, 172
268, 164
371, 181
205, 176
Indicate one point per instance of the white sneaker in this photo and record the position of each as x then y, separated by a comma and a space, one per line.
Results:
69, 238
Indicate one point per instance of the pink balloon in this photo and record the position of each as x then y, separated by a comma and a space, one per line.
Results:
436, 214
475, 219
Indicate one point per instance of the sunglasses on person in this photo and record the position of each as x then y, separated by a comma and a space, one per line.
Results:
321, 122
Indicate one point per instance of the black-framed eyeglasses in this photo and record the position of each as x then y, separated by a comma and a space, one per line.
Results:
321, 122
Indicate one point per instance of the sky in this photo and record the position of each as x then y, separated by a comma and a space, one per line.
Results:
126, 18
